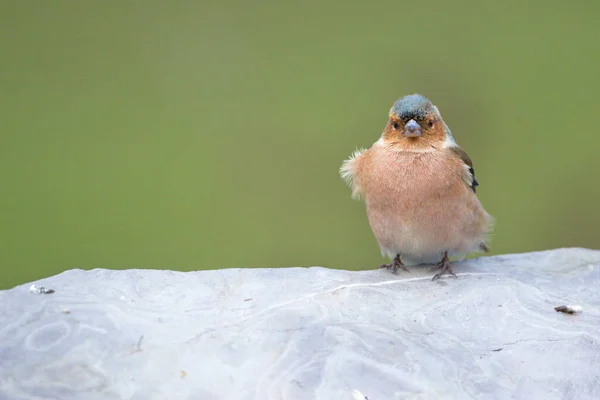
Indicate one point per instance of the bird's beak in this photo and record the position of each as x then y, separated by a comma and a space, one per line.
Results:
412, 129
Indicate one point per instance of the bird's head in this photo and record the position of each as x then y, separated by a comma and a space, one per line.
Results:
415, 124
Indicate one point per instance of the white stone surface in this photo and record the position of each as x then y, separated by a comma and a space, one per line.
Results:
309, 333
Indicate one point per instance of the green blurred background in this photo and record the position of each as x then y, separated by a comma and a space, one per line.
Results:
197, 135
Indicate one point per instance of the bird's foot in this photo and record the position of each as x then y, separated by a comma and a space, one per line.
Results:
394, 265
444, 267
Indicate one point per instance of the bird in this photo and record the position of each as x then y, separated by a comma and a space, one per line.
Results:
420, 190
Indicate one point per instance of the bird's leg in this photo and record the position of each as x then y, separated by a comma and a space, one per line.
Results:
397, 263
444, 266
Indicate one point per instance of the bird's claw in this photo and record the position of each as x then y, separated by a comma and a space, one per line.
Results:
394, 266
445, 268
439, 274
436, 267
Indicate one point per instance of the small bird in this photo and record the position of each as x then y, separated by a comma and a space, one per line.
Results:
419, 189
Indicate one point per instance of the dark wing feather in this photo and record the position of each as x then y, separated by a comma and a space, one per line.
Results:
467, 160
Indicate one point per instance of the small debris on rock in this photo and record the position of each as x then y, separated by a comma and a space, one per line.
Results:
40, 290
139, 343
356, 395
568, 309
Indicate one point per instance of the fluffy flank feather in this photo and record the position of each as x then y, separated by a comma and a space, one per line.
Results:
348, 170
490, 223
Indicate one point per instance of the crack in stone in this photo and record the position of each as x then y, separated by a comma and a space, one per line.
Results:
412, 332
532, 340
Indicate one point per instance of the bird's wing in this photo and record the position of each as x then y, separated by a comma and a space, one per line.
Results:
470, 175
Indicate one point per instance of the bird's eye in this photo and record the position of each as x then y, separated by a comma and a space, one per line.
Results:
430, 123
395, 125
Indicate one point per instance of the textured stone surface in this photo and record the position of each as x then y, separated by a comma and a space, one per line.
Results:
309, 333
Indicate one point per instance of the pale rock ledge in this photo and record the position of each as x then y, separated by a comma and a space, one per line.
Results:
309, 333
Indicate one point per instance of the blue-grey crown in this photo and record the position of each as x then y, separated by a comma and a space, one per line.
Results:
413, 106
